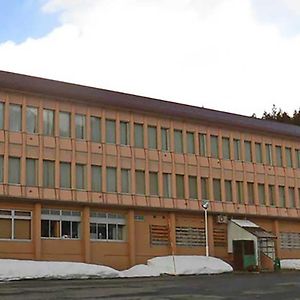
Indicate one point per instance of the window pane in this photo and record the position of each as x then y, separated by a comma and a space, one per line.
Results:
22, 229
193, 191
75, 230
239, 192
288, 156
258, 153
226, 148
281, 196
237, 149
180, 186
31, 172
140, 182
125, 133
96, 179
152, 137
80, 127
178, 143
269, 156
248, 151
15, 117
45, 228
64, 124
292, 196
80, 176
217, 189
202, 144
138, 135
190, 142
65, 175
111, 179
153, 176
279, 156
298, 158
165, 139
250, 191
5, 229
95, 129
32, 119
14, 170
125, 174
102, 231
271, 195
66, 229
55, 229
112, 231
1, 168
228, 190
1, 115
48, 122
167, 185
110, 131
261, 194
204, 188
214, 148
48, 173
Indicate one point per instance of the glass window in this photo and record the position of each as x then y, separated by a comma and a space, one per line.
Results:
96, 178
226, 147
153, 177
165, 139
269, 154
80, 176
178, 142
288, 157
298, 157
167, 185
152, 137
190, 142
15, 117
80, 126
64, 124
204, 188
31, 172
217, 189
95, 129
202, 144
180, 186
111, 179
214, 146
248, 151
65, 175
261, 194
292, 196
126, 182
193, 190
258, 153
32, 122
228, 190
14, 172
250, 192
48, 173
138, 135
48, 122
237, 149
271, 195
110, 131
281, 196
125, 133
279, 156
239, 192
1, 168
140, 182
1, 115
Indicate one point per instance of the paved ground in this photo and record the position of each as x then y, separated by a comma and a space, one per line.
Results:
214, 287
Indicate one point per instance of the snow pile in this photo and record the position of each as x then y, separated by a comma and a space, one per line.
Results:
140, 271
188, 265
291, 264
11, 269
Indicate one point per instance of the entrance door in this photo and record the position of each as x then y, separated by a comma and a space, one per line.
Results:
243, 254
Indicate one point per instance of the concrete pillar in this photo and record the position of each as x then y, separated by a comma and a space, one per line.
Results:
211, 246
36, 225
172, 232
131, 238
277, 241
86, 244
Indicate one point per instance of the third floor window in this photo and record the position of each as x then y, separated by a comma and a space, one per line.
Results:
64, 124
48, 122
15, 117
80, 126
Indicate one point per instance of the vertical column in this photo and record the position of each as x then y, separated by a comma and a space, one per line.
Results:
131, 238
211, 245
172, 232
37, 231
277, 241
86, 235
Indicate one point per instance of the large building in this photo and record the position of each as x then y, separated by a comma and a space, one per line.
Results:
103, 177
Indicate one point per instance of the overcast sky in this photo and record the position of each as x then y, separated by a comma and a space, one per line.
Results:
240, 56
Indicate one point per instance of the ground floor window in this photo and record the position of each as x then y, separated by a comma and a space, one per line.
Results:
15, 225
107, 226
289, 240
190, 236
57, 223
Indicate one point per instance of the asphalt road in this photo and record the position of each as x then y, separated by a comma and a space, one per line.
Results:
206, 287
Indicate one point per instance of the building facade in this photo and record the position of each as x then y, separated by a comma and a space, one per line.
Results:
102, 177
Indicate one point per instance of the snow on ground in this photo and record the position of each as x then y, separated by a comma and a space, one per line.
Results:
140, 271
291, 264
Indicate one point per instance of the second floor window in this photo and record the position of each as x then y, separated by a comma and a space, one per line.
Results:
80, 176
167, 185
96, 178
14, 170
140, 182
65, 175
193, 190
111, 179
126, 182
31, 172
15, 117
180, 193
48, 173
153, 177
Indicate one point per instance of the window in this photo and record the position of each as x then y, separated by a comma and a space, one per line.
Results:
111, 179
178, 142
64, 124
217, 189
281, 196
165, 139
125, 133
48, 173
258, 153
14, 173
126, 182
80, 176
15, 117
95, 129
167, 185
57, 223
290, 240
193, 190
204, 188
250, 192
48, 122
202, 144
237, 149
110, 131
298, 157
140, 182
152, 137
214, 146
153, 177
65, 175
226, 147
31, 172
180, 186
228, 190
1, 115
80, 126
292, 197
248, 151
271, 195
1, 168
107, 226
96, 178
190, 136
32, 122
288, 157
261, 194
239, 192
269, 154
15, 225
279, 156
139, 135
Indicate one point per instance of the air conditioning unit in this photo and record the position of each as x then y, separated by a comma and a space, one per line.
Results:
221, 219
